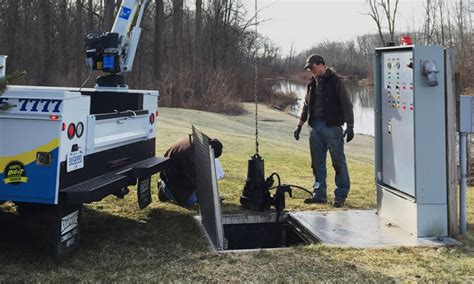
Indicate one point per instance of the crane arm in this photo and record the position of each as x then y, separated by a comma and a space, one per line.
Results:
127, 26
114, 52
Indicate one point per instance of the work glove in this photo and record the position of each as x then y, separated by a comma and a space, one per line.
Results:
350, 133
296, 133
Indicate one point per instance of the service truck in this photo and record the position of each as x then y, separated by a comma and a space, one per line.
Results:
61, 148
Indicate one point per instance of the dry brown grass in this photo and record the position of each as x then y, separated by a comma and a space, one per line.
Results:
163, 243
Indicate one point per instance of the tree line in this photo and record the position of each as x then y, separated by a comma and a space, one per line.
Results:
448, 23
199, 56
202, 55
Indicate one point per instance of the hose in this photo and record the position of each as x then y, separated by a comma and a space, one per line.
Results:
295, 186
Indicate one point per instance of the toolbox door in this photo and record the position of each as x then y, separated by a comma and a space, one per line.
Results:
29, 150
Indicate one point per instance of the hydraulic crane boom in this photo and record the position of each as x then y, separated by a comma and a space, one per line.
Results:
114, 52
127, 26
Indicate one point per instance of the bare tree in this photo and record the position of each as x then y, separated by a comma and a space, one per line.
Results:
441, 20
109, 9
375, 14
63, 35
429, 27
464, 43
79, 33
12, 12
380, 10
391, 16
198, 53
177, 34
44, 8
158, 43
290, 56
90, 15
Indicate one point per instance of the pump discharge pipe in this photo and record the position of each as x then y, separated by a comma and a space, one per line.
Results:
463, 186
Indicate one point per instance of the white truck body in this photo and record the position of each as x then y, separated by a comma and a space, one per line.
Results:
38, 121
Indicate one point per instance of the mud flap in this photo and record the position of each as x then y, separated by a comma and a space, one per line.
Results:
56, 227
66, 230
144, 192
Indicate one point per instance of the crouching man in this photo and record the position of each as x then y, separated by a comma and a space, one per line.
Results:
178, 181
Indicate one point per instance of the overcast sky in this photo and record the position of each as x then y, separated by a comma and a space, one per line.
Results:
305, 22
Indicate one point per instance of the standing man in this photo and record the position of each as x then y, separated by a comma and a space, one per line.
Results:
326, 107
178, 180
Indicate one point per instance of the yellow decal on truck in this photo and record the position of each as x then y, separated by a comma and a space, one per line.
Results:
15, 173
29, 156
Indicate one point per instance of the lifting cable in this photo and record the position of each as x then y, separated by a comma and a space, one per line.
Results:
256, 193
256, 99
256, 79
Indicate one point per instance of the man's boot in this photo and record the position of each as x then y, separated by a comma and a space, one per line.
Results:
315, 200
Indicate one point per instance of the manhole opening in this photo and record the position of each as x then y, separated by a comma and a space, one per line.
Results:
261, 235
247, 232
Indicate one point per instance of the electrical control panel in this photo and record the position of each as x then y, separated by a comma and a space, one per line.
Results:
410, 137
397, 116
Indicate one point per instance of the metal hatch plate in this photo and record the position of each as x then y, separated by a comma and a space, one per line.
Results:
360, 228
207, 190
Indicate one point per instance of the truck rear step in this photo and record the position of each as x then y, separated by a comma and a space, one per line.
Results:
149, 166
94, 189
112, 183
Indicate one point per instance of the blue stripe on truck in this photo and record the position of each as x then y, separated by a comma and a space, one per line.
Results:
35, 184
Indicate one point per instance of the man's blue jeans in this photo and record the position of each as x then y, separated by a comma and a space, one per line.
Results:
323, 138
191, 201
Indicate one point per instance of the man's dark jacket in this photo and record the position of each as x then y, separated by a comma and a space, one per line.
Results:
336, 103
181, 174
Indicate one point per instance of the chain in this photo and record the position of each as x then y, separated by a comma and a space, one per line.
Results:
256, 79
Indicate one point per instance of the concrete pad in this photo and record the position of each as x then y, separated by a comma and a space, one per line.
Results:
360, 228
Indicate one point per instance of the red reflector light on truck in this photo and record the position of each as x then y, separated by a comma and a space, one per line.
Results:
71, 130
152, 118
54, 117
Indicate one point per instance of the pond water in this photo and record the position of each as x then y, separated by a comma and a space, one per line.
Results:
362, 100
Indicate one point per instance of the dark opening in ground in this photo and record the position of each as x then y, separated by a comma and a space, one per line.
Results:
262, 235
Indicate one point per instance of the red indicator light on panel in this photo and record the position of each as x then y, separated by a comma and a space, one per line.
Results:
54, 117
152, 118
71, 130
404, 107
411, 107
411, 87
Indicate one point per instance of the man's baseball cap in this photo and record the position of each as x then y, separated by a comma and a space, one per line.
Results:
313, 59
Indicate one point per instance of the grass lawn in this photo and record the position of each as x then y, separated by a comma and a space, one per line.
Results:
163, 243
